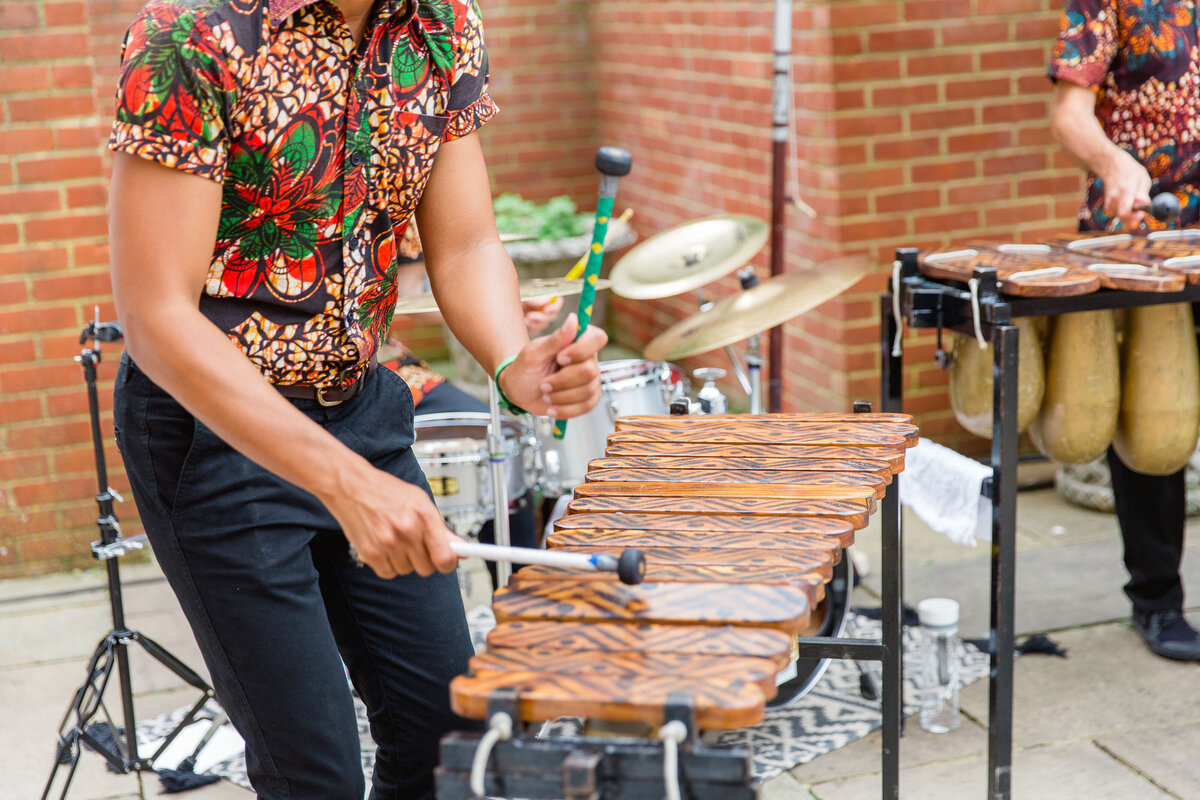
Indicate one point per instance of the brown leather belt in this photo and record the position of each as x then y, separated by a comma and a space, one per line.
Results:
325, 396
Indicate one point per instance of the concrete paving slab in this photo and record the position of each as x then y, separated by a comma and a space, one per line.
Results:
1109, 684
1156, 753
917, 747
1044, 515
1074, 771
784, 787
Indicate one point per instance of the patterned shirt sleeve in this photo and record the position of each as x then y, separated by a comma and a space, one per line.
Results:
174, 92
1087, 42
470, 104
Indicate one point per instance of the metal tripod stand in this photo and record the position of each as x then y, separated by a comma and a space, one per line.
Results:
73, 732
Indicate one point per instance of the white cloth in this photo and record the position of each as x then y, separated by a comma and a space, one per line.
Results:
944, 489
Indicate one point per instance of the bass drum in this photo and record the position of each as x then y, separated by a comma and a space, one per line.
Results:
799, 678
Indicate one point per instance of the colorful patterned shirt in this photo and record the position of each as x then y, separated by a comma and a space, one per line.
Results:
323, 149
1142, 58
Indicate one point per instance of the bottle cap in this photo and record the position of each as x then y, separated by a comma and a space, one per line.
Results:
939, 614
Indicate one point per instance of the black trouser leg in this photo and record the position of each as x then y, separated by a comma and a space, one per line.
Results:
1152, 511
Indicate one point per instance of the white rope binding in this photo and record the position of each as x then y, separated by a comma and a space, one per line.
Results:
974, 286
500, 728
672, 734
897, 349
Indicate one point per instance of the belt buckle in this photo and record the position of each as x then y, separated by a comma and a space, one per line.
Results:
326, 403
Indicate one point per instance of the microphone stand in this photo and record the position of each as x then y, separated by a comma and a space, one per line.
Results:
121, 753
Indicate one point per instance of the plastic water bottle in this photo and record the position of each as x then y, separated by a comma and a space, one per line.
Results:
939, 673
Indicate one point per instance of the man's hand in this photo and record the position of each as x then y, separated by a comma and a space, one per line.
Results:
539, 314
557, 375
1126, 183
393, 526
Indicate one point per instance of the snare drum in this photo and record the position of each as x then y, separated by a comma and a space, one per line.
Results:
452, 450
629, 386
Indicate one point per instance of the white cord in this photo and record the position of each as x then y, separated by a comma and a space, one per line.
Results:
500, 728
672, 734
897, 349
974, 285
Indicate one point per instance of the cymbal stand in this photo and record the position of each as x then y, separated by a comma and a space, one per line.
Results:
738, 369
122, 756
750, 374
754, 360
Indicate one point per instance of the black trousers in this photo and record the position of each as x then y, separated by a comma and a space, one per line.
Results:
1151, 510
276, 603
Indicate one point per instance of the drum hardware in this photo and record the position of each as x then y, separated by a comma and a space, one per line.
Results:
711, 400
122, 755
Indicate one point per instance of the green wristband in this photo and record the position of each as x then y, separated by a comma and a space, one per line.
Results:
504, 401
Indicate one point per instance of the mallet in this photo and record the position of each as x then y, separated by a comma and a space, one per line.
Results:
1163, 207
630, 566
613, 163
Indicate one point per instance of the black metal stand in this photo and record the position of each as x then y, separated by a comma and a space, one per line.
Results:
122, 753
925, 303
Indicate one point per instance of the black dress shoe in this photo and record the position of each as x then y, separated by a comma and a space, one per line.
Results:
1168, 634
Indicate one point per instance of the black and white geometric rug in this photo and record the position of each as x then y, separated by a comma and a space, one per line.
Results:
830, 716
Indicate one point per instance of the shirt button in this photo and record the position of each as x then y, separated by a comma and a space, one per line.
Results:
356, 159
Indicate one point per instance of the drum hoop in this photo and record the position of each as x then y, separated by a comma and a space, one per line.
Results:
469, 418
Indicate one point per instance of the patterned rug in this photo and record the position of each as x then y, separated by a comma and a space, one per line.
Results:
830, 716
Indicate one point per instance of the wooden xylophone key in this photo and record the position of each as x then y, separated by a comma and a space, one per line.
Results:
632, 447
854, 512
703, 523
622, 638
818, 434
610, 538
876, 467
765, 478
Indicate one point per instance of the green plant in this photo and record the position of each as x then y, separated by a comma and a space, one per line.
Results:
557, 218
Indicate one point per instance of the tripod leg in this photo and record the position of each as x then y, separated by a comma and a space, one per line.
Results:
99, 669
168, 660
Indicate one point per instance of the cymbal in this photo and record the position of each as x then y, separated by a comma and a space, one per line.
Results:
688, 256
770, 303
531, 289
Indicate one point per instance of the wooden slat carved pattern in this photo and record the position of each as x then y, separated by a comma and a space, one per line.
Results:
762, 477
707, 523
752, 605
616, 539
682, 464
811, 583
619, 637
799, 559
544, 695
730, 669
894, 458
851, 512
863, 496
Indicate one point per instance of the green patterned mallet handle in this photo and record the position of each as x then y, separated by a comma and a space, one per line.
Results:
613, 163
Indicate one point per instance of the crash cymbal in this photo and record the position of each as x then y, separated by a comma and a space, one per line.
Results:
688, 256
531, 289
770, 303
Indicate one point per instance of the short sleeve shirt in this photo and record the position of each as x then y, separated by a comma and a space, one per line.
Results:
323, 150
1142, 59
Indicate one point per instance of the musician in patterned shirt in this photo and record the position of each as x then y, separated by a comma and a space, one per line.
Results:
269, 154
1126, 107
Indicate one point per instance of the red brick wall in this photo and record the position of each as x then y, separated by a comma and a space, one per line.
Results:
919, 122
